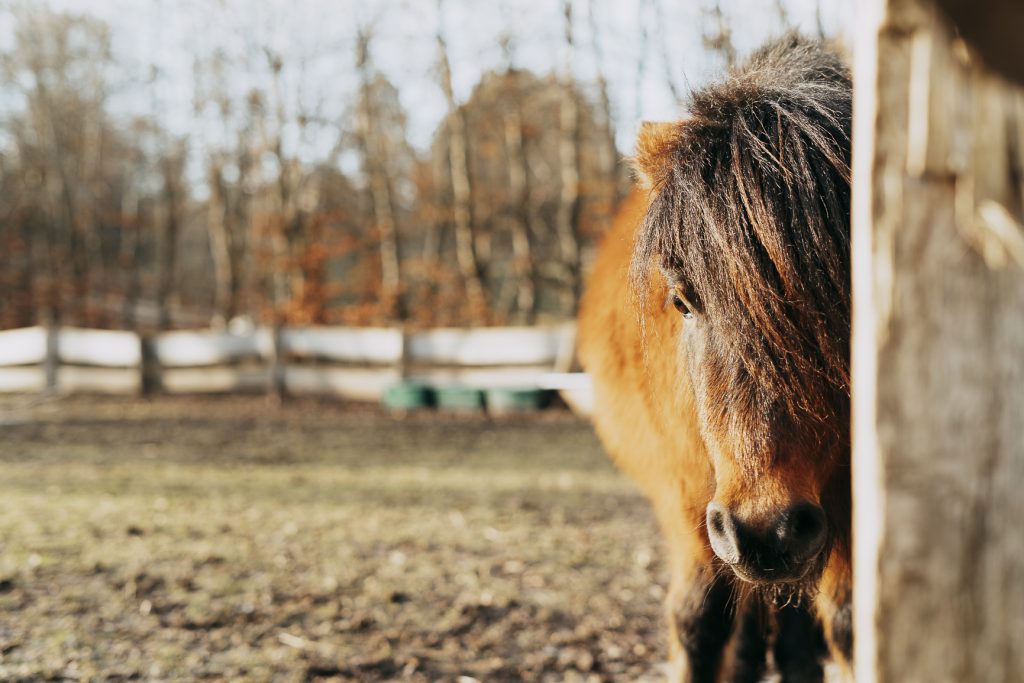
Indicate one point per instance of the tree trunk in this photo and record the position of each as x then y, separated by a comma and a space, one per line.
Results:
607, 155
666, 56
462, 190
718, 36
437, 218
519, 209
938, 356
172, 206
379, 183
131, 246
29, 277
567, 219
220, 247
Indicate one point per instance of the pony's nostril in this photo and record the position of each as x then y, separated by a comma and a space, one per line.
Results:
722, 533
716, 523
803, 531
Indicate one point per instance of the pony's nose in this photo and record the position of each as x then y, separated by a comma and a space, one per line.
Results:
801, 531
776, 551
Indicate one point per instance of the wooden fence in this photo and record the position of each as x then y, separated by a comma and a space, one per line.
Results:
352, 363
938, 344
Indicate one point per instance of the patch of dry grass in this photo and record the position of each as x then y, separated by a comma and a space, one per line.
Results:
182, 539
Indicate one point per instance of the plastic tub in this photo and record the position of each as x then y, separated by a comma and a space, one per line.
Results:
508, 400
407, 396
459, 398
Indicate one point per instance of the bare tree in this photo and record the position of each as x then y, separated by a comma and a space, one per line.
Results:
567, 222
641, 60
60, 61
607, 154
173, 197
518, 207
131, 220
666, 56
17, 271
462, 188
437, 217
717, 34
229, 123
103, 224
783, 14
379, 182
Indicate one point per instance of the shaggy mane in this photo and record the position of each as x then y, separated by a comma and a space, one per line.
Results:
750, 210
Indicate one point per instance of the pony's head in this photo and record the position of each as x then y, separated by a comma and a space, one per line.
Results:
747, 233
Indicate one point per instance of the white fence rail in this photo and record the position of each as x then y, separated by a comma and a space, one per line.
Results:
202, 348
491, 346
377, 346
354, 363
26, 346
100, 348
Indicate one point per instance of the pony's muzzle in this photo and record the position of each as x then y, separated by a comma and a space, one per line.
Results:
782, 550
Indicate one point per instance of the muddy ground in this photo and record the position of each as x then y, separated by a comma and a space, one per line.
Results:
225, 539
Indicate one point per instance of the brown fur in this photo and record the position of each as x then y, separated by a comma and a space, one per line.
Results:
746, 215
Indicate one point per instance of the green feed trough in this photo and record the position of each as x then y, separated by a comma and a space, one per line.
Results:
459, 398
504, 401
407, 396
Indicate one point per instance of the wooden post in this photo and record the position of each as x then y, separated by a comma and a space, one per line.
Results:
51, 360
150, 372
938, 356
276, 383
402, 363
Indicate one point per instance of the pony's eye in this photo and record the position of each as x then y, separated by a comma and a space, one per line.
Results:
682, 305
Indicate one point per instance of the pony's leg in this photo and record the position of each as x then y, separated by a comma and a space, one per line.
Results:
748, 652
797, 641
836, 614
700, 618
800, 647
834, 605
699, 605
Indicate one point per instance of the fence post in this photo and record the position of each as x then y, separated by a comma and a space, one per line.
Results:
150, 372
938, 354
276, 383
51, 360
565, 359
403, 354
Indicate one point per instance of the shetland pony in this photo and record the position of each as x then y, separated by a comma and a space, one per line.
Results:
716, 326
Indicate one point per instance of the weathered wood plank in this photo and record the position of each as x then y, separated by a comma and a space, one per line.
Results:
935, 132
938, 357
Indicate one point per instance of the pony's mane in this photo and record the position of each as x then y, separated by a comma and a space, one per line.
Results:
750, 208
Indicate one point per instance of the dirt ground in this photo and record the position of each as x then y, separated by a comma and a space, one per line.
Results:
223, 539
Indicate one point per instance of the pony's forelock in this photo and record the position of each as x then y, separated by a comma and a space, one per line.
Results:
751, 211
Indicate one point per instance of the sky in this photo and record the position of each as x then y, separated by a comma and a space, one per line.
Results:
320, 33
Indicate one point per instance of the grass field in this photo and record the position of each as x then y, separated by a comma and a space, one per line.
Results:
222, 539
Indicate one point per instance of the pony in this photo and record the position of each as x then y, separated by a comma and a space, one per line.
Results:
716, 325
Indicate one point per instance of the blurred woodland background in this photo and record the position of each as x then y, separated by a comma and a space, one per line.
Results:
180, 164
